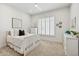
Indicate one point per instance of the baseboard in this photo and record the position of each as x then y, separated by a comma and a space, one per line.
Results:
3, 46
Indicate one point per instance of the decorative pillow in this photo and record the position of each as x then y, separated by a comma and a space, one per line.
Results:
21, 32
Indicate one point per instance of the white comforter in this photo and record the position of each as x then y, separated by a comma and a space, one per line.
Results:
22, 42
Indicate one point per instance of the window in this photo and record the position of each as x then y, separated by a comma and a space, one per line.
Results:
43, 27
46, 26
39, 26
52, 24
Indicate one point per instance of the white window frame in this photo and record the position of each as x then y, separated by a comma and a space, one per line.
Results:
45, 25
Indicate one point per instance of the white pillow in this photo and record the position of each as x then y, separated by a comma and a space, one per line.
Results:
26, 33
16, 32
12, 32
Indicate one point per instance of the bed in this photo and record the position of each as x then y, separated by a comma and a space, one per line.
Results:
23, 44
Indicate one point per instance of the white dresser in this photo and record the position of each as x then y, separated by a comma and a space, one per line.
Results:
70, 45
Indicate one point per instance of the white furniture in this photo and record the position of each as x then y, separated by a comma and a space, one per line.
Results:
34, 30
23, 44
70, 45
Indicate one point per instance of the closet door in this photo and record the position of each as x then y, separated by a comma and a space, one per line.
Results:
47, 26
52, 26
39, 26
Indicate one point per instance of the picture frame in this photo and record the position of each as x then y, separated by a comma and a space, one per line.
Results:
16, 23
74, 22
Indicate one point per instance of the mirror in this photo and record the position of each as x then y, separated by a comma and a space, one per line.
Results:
16, 23
74, 22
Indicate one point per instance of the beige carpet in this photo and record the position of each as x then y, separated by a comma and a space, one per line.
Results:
45, 48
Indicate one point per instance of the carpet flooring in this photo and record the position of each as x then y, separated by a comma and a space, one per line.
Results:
45, 48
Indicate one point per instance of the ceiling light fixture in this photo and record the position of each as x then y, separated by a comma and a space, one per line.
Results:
36, 5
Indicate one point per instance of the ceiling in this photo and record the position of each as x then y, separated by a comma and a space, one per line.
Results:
42, 7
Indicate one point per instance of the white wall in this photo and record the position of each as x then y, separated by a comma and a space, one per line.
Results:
6, 13
73, 45
62, 14
75, 12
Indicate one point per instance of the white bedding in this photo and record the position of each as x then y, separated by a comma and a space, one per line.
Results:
23, 43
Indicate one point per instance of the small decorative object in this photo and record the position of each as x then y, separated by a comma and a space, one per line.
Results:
68, 32
59, 24
73, 33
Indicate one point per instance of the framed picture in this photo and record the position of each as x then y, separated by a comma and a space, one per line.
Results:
16, 23
74, 22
